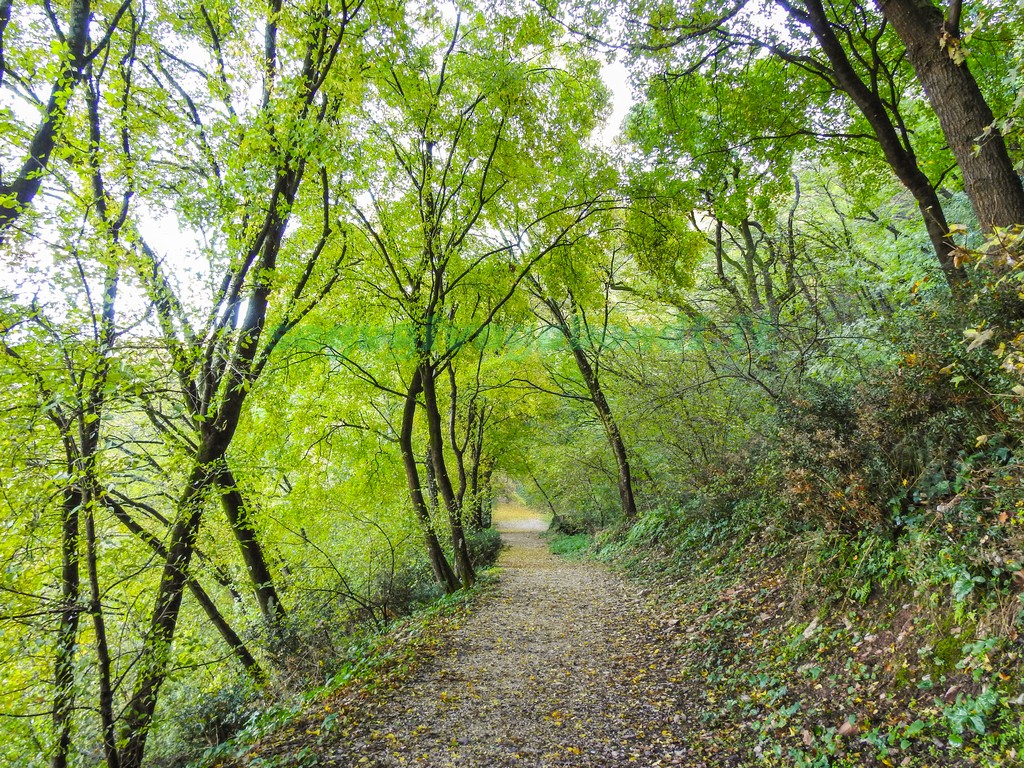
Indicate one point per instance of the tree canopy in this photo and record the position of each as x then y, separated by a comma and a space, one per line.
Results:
292, 292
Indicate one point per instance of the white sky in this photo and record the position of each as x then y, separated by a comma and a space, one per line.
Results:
616, 78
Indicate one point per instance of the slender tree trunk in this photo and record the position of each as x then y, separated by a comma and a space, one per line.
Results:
750, 268
5, 18
82, 485
463, 561
604, 412
611, 428
231, 638
991, 182
237, 513
476, 510
217, 380
443, 572
16, 196
476, 457
459, 451
85, 473
468, 494
67, 627
556, 520
104, 665
152, 663
727, 283
428, 471
487, 496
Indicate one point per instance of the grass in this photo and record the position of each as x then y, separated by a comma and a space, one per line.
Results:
574, 546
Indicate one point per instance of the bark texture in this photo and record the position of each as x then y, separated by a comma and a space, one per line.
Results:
933, 49
439, 565
899, 155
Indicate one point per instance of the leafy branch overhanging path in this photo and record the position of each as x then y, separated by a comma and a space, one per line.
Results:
560, 666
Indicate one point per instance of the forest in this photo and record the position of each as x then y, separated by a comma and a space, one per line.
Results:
294, 294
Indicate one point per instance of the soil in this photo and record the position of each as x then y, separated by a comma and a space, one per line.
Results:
560, 665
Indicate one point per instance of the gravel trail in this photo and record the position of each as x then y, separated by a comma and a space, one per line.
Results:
559, 666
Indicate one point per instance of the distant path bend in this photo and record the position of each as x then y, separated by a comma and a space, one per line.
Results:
557, 668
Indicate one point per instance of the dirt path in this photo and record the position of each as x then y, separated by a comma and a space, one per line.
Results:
556, 668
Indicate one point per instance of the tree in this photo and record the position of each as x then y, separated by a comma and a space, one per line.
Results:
561, 306
470, 413
217, 366
933, 46
75, 398
72, 52
881, 115
476, 190
848, 49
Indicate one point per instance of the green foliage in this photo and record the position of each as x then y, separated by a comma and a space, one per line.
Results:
484, 546
707, 135
565, 545
238, 264
204, 719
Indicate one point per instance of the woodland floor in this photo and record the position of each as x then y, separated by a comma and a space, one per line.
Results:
553, 668
563, 663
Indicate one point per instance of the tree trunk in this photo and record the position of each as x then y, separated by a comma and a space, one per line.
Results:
463, 561
237, 513
727, 283
990, 180
901, 158
604, 411
103, 659
459, 451
18, 195
611, 428
152, 663
428, 470
750, 268
67, 625
476, 457
89, 423
443, 572
625, 477
231, 638
487, 496
556, 520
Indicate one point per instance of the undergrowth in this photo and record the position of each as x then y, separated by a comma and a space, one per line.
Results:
809, 647
339, 639
574, 545
285, 732
846, 576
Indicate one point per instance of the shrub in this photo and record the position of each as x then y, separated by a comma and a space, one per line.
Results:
484, 546
198, 719
572, 525
411, 586
858, 456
